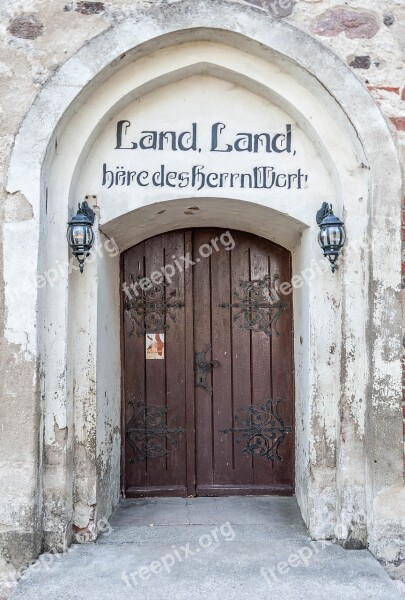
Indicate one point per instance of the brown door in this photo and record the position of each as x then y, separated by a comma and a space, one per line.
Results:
208, 400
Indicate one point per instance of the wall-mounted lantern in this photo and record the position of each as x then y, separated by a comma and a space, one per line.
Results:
80, 234
332, 234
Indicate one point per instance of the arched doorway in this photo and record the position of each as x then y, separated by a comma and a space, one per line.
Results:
208, 393
73, 335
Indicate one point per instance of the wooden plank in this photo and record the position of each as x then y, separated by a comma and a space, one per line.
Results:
189, 369
165, 491
241, 351
202, 338
134, 367
261, 357
175, 363
155, 369
221, 351
246, 490
283, 368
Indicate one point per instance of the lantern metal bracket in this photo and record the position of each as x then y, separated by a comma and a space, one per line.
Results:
322, 212
85, 209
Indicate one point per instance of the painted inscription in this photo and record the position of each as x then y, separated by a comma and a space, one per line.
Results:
187, 141
198, 176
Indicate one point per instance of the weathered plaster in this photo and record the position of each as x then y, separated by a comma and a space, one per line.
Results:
350, 439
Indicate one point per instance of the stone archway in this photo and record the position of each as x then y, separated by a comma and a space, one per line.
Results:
340, 405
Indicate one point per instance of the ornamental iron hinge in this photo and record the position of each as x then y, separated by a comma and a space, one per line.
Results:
148, 308
262, 429
259, 304
148, 433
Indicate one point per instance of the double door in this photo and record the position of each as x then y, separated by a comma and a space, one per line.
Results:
208, 399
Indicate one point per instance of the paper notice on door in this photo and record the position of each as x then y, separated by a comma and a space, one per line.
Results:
155, 346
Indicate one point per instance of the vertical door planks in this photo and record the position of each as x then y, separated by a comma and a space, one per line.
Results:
228, 441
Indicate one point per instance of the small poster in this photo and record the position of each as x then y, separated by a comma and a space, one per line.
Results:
155, 346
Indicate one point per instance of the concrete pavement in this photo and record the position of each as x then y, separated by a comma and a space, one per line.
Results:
209, 548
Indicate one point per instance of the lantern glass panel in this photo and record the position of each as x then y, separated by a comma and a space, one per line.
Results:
81, 235
323, 238
336, 236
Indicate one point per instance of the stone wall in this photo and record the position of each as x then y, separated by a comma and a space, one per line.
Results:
37, 36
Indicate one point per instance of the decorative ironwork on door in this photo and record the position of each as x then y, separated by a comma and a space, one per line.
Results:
262, 429
259, 305
149, 309
148, 433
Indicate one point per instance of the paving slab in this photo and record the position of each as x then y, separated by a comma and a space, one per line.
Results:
176, 534
255, 547
197, 511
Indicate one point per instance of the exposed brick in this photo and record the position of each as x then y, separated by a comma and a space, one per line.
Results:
399, 123
27, 27
361, 62
90, 8
393, 90
403, 94
354, 24
389, 19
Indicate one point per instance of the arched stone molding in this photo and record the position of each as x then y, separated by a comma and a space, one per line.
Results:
346, 404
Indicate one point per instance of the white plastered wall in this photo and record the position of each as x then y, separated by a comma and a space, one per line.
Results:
338, 336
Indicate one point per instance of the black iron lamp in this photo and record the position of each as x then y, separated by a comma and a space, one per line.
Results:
80, 234
332, 234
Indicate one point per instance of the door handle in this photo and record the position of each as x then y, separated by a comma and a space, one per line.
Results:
201, 367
